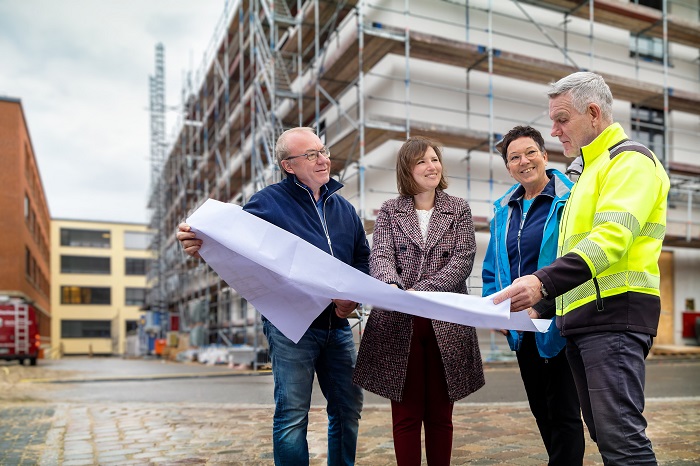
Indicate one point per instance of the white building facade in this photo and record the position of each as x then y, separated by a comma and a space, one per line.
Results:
368, 74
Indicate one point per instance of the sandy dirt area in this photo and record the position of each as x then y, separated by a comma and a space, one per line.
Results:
16, 380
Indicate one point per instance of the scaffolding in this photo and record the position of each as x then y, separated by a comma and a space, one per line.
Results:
156, 299
367, 74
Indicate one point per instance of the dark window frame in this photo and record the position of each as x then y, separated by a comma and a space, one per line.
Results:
91, 265
86, 295
76, 328
136, 266
651, 45
647, 127
85, 238
134, 301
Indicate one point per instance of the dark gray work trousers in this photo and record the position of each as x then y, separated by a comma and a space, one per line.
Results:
609, 371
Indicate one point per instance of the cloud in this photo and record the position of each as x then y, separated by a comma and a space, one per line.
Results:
81, 69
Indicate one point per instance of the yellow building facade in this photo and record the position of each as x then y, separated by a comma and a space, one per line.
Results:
98, 285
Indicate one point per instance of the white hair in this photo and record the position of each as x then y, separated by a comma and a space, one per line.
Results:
584, 88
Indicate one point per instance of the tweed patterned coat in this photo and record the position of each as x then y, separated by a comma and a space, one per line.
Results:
443, 263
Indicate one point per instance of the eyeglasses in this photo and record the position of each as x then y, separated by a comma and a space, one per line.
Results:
312, 155
515, 158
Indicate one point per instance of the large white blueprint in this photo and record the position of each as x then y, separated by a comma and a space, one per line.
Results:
290, 281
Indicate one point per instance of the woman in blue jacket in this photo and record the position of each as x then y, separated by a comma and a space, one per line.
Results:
524, 234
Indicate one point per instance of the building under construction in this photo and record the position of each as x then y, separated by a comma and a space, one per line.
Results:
367, 74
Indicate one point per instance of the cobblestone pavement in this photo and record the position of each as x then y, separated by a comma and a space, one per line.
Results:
72, 434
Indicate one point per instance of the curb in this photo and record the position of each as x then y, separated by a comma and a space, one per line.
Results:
128, 378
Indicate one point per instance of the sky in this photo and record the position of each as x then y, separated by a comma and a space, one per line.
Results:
81, 69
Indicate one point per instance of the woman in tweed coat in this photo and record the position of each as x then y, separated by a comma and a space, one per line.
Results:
424, 241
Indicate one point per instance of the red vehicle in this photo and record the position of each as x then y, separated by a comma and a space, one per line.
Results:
19, 332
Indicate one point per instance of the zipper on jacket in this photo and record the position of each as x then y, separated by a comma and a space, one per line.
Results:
598, 298
560, 251
325, 225
321, 219
564, 220
523, 216
328, 239
497, 254
330, 247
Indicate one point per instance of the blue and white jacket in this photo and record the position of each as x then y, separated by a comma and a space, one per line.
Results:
496, 273
291, 206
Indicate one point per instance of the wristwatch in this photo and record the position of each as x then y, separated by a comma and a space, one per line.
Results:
543, 290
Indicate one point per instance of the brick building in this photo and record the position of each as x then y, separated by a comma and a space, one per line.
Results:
24, 236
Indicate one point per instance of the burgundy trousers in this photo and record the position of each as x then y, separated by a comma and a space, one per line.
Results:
425, 403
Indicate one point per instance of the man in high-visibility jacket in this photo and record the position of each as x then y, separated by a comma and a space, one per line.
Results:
606, 280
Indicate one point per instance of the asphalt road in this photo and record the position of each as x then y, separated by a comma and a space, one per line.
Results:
139, 380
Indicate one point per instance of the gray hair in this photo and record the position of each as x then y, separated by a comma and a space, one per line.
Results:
281, 149
585, 88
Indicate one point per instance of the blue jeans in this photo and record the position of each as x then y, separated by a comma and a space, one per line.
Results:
609, 371
331, 355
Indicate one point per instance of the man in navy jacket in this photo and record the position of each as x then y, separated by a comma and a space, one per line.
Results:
306, 203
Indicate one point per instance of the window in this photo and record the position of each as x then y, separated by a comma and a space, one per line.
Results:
648, 128
27, 263
655, 4
27, 162
86, 329
85, 264
135, 296
137, 240
135, 266
131, 327
32, 221
647, 47
85, 295
85, 238
33, 269
29, 215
